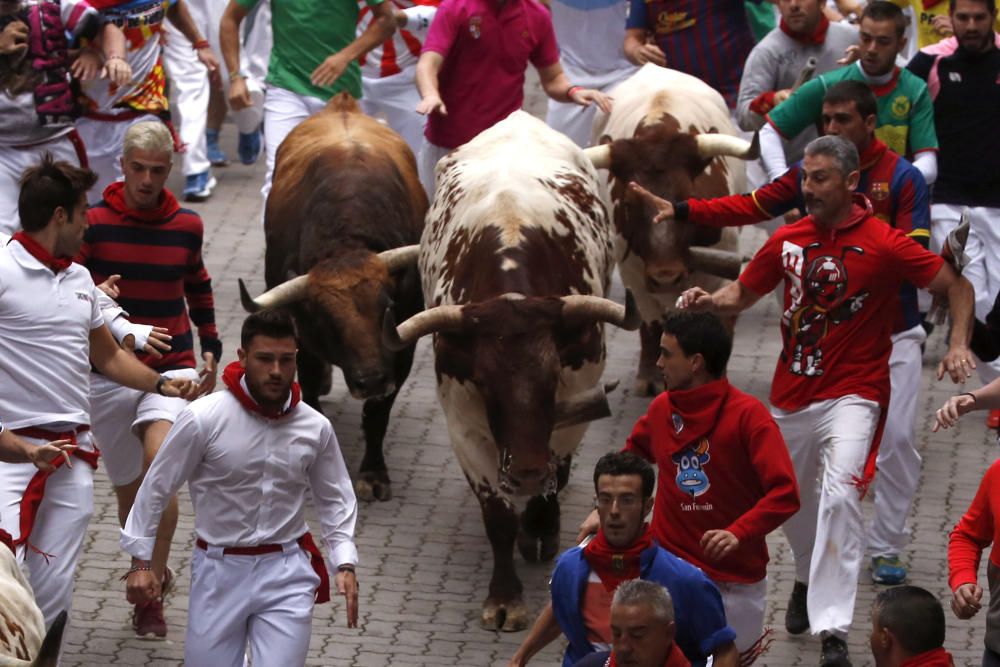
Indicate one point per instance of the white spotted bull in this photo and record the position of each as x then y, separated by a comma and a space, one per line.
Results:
515, 260
23, 640
671, 133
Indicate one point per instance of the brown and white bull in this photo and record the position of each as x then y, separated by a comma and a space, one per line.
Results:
342, 222
671, 133
515, 260
23, 640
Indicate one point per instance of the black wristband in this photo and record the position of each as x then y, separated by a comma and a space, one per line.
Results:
159, 385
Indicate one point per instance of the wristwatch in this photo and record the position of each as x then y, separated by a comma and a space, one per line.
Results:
159, 385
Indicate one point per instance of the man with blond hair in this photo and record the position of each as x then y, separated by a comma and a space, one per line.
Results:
140, 233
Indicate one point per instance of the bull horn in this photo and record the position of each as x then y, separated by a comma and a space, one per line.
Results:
714, 145
439, 318
287, 292
599, 156
598, 309
722, 263
587, 406
399, 258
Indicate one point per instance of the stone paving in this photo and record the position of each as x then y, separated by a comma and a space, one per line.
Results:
425, 559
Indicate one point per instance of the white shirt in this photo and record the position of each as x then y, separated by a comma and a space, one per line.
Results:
591, 38
45, 325
248, 477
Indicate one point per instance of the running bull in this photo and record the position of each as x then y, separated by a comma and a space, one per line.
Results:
23, 640
670, 133
515, 260
341, 223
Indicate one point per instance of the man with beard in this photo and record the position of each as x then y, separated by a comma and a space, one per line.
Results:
842, 270
586, 577
965, 88
250, 456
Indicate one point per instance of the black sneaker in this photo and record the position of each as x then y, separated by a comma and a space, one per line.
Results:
797, 615
834, 653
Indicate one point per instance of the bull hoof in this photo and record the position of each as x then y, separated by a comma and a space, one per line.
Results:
649, 387
538, 548
373, 486
504, 616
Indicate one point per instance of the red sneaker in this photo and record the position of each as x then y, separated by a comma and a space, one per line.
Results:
148, 621
993, 419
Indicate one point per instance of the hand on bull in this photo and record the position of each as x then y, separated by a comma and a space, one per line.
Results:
347, 585
718, 544
587, 96
14, 38
695, 299
208, 374
330, 70
664, 208
141, 586
958, 363
589, 526
949, 413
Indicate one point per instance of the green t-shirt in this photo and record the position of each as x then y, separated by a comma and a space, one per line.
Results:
905, 109
306, 32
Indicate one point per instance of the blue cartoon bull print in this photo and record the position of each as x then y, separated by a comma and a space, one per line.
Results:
691, 478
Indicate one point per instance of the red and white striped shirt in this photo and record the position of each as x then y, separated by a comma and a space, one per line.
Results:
400, 51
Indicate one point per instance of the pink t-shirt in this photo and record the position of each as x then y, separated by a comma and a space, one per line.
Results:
486, 48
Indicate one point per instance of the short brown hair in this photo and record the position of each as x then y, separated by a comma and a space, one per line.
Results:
48, 186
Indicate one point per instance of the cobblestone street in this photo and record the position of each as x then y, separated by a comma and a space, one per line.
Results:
425, 559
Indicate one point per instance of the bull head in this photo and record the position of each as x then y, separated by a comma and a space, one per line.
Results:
294, 289
709, 146
48, 652
585, 407
576, 308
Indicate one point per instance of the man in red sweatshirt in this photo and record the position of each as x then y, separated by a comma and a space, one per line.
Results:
733, 481
908, 629
139, 232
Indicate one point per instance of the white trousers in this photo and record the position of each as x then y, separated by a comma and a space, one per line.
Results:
395, 98
13, 162
189, 80
573, 120
59, 530
283, 111
826, 534
104, 141
898, 461
983, 270
257, 44
427, 158
264, 602
745, 605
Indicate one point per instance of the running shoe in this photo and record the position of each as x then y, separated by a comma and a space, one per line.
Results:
797, 615
148, 621
215, 154
887, 570
198, 187
250, 146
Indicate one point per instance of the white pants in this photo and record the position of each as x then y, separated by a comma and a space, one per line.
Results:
427, 159
745, 605
59, 530
983, 270
117, 412
573, 120
13, 162
826, 534
283, 111
898, 460
189, 79
265, 602
257, 44
104, 141
395, 97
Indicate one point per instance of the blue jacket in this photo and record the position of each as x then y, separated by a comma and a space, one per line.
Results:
699, 615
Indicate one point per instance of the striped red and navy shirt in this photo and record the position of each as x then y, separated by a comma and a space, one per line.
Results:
157, 252
709, 39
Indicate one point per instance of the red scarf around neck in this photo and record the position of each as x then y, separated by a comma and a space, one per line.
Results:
114, 195
872, 154
674, 659
613, 565
817, 36
232, 375
35, 249
696, 412
936, 658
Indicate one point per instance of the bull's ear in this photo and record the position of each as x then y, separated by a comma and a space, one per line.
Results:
624, 160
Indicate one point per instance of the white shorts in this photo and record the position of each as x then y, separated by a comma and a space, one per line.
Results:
117, 412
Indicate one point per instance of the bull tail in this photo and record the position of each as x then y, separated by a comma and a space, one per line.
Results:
343, 101
48, 654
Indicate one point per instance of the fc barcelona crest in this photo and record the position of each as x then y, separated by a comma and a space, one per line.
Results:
618, 562
880, 191
475, 27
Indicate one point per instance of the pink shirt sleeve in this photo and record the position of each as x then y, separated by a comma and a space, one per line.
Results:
546, 52
444, 28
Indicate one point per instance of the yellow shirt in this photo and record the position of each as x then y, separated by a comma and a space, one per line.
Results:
926, 34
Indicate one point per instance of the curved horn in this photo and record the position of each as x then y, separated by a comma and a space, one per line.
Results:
287, 292
599, 156
702, 446
598, 309
400, 258
712, 145
439, 318
722, 263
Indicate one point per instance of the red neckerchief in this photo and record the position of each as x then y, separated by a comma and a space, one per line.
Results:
695, 413
6, 539
817, 36
887, 87
232, 376
871, 155
674, 659
35, 249
613, 565
936, 658
114, 195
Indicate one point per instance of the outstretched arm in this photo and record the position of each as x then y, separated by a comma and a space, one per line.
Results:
382, 25
545, 631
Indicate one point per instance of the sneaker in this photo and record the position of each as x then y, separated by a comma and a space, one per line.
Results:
797, 615
888, 570
834, 653
198, 187
215, 154
250, 146
993, 419
148, 621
